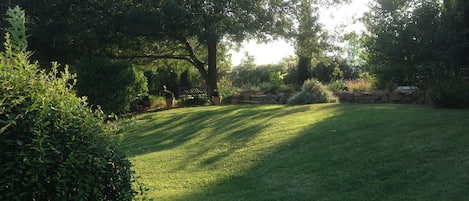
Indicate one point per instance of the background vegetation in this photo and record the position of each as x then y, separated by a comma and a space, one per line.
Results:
420, 43
54, 147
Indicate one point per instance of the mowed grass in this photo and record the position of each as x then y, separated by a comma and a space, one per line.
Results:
317, 152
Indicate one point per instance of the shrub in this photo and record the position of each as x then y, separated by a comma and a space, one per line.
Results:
157, 101
252, 75
269, 87
227, 90
110, 83
337, 86
301, 98
52, 146
311, 92
451, 94
286, 89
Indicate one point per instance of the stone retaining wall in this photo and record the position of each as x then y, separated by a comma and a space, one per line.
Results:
249, 97
415, 97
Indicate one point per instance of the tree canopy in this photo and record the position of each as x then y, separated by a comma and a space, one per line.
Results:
174, 29
422, 43
207, 23
407, 42
418, 42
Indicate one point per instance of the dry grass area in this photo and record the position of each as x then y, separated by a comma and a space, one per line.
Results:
359, 85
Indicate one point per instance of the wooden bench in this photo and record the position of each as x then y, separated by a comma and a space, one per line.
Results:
186, 93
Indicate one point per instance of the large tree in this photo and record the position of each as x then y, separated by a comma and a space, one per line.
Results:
206, 24
423, 43
307, 38
403, 41
455, 24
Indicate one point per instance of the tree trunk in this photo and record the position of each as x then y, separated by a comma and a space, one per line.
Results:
304, 69
212, 79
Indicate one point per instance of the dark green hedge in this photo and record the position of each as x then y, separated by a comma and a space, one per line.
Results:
451, 94
110, 83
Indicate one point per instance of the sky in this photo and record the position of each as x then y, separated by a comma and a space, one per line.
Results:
333, 18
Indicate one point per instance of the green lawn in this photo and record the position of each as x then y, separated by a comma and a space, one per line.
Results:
317, 152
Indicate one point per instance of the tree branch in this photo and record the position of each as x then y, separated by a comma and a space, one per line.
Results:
191, 52
196, 61
152, 56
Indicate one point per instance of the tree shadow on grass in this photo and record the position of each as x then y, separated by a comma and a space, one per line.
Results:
336, 160
158, 133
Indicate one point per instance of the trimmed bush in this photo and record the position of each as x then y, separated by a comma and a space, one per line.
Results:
52, 146
110, 83
312, 92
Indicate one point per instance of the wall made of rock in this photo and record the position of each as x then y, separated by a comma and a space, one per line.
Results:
249, 97
415, 97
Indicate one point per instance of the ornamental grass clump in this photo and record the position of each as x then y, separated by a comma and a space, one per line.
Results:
52, 146
312, 92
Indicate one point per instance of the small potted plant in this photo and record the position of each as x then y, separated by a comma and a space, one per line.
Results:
216, 98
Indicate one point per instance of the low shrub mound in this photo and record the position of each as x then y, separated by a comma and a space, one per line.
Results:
312, 92
52, 146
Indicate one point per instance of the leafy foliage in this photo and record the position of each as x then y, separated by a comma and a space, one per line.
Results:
52, 146
402, 40
421, 43
161, 77
450, 94
227, 89
112, 84
138, 29
337, 86
307, 39
311, 92
270, 78
66, 30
